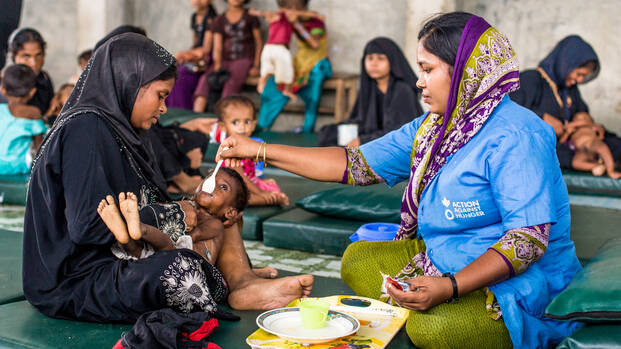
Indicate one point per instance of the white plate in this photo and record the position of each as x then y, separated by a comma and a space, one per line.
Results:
287, 324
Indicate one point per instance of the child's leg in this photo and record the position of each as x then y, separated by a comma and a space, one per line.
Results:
582, 161
604, 153
239, 71
283, 70
110, 215
129, 207
260, 197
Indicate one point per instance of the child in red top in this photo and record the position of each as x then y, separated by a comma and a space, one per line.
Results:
275, 57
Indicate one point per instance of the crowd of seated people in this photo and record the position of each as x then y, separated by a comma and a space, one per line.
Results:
227, 48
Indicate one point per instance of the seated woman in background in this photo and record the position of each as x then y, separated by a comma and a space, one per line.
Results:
388, 96
21, 127
237, 45
26, 46
551, 91
311, 66
193, 62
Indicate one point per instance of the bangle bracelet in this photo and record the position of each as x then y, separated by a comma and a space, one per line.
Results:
264, 150
455, 290
256, 158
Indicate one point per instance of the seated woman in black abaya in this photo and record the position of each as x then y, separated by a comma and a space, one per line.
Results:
551, 91
97, 147
388, 96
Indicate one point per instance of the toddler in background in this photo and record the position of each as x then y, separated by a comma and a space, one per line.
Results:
21, 127
275, 57
237, 115
58, 102
83, 59
215, 211
591, 153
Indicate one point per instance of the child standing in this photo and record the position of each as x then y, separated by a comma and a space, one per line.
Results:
237, 115
237, 47
21, 127
275, 57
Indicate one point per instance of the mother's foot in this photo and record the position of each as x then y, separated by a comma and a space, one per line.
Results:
265, 294
110, 215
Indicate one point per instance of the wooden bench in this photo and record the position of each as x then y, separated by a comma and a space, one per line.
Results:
345, 87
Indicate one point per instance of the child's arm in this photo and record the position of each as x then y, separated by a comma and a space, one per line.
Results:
307, 13
258, 44
208, 227
217, 51
37, 140
207, 45
312, 40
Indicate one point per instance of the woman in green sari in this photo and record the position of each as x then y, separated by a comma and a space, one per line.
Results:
485, 214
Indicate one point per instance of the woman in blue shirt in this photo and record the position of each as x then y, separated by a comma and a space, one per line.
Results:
485, 215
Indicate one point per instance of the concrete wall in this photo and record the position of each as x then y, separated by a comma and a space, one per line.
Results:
533, 26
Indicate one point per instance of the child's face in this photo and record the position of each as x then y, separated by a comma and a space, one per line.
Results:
238, 119
377, 65
83, 63
64, 94
218, 204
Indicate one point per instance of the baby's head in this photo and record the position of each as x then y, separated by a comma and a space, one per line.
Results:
64, 92
228, 200
582, 117
18, 81
236, 115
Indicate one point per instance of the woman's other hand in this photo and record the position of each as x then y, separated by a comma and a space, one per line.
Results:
190, 215
254, 71
425, 292
239, 148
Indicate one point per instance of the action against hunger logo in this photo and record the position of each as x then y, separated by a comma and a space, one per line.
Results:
462, 209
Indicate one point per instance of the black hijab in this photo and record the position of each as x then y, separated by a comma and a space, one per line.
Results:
569, 54
108, 87
366, 112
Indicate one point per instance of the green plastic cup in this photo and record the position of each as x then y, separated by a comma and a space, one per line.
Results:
314, 313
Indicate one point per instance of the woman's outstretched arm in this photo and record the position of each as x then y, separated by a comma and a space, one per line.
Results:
322, 164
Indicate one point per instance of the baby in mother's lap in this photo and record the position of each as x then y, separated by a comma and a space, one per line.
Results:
214, 212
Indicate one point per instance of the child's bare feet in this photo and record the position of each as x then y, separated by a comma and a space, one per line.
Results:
110, 215
283, 199
290, 94
265, 273
128, 203
614, 174
598, 170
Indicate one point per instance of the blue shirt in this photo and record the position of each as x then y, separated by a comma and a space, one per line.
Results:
15, 138
507, 176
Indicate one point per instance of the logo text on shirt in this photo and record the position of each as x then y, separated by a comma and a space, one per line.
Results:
462, 209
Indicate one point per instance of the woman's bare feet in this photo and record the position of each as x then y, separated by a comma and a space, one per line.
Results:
266, 273
264, 294
128, 203
110, 215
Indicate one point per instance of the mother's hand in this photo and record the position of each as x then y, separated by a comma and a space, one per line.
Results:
190, 215
240, 147
425, 292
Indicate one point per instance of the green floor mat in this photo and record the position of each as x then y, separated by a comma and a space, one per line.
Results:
295, 188
13, 189
591, 227
181, 116
22, 326
305, 231
586, 183
594, 336
10, 266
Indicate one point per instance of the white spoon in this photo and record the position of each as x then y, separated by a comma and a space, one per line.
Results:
209, 185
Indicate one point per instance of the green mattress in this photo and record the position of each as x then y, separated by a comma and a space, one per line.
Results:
295, 188
181, 116
594, 336
298, 229
10, 266
22, 326
585, 183
13, 189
